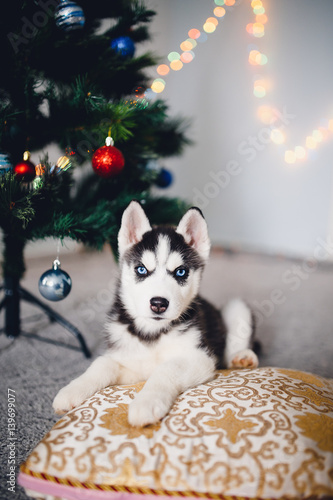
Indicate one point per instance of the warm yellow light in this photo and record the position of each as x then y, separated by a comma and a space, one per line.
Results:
253, 57
261, 18
209, 27
176, 65
163, 69
219, 12
310, 142
277, 136
212, 20
290, 157
158, 86
267, 114
330, 125
256, 3
186, 45
258, 29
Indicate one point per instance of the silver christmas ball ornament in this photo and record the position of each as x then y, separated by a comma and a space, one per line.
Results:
55, 284
69, 16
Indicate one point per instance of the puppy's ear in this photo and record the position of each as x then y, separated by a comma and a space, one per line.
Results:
134, 224
194, 229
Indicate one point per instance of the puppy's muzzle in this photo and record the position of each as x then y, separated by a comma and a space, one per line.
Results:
159, 305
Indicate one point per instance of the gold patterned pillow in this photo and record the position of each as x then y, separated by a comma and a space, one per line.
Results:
264, 433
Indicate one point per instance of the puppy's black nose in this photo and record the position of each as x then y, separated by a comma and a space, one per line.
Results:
159, 305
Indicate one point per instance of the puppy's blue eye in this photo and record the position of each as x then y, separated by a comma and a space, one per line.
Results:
141, 270
181, 272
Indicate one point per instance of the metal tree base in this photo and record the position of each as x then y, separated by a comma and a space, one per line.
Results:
13, 294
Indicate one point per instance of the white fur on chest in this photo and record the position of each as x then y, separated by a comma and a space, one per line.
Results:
138, 359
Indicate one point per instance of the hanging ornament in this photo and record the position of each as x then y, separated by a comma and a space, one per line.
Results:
55, 284
69, 16
164, 179
123, 46
108, 161
5, 163
25, 169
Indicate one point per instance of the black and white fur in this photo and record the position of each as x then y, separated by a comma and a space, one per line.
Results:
160, 330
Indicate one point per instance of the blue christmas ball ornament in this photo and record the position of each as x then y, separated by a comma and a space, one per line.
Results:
55, 284
123, 46
5, 163
164, 179
69, 16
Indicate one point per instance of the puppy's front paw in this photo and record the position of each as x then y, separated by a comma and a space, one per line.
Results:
147, 409
244, 359
68, 398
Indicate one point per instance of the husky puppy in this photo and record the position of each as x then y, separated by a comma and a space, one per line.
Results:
159, 329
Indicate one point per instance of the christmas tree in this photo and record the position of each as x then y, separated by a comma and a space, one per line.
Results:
70, 76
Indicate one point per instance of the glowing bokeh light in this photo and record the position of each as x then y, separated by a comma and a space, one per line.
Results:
176, 65
194, 33
261, 18
229, 3
330, 125
258, 30
267, 114
212, 20
219, 2
290, 157
277, 136
209, 27
300, 152
163, 69
249, 28
158, 85
256, 3
259, 11
173, 56
259, 91
317, 135
219, 12
256, 58
310, 142
186, 45
252, 56
187, 57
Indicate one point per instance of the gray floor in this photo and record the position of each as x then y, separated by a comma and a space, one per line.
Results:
292, 302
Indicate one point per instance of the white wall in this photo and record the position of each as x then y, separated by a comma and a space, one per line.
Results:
269, 205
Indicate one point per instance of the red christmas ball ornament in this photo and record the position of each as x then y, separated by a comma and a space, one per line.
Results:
108, 161
25, 170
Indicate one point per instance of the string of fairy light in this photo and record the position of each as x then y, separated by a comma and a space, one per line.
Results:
267, 113
176, 60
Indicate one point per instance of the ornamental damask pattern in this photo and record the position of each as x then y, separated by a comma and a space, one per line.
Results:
257, 433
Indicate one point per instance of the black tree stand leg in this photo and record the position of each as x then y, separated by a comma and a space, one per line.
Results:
13, 293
